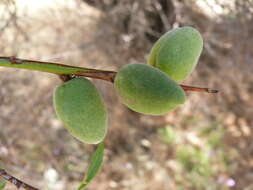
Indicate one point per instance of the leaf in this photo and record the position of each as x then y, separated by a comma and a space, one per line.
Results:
2, 184
94, 167
96, 163
82, 186
2, 181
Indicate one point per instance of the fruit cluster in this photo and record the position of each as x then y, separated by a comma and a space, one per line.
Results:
145, 88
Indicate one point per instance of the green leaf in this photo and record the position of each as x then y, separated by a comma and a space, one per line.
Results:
2, 181
2, 184
82, 186
96, 163
94, 167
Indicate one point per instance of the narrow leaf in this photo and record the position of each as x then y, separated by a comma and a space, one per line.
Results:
82, 186
96, 163
2, 183
94, 167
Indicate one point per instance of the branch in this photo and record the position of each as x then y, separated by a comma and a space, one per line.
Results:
198, 89
66, 70
56, 68
18, 183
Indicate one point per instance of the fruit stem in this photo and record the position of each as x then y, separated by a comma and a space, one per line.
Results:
66, 72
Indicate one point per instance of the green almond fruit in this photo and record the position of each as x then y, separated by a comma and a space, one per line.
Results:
80, 107
148, 90
177, 52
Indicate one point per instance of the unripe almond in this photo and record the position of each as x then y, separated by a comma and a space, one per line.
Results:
177, 52
148, 90
80, 107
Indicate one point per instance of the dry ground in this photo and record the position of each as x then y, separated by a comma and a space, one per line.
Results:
205, 144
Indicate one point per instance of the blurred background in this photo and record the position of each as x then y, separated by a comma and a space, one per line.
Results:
204, 144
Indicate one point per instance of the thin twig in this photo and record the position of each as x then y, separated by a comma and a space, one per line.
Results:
66, 70
18, 183
198, 89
